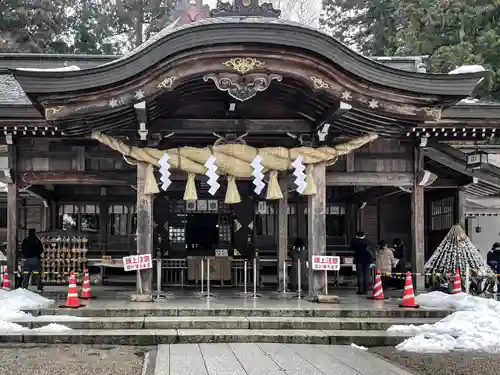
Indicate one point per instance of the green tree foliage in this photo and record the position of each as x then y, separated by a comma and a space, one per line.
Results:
33, 25
450, 32
80, 26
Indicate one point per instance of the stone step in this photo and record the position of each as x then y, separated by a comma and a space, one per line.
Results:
228, 322
183, 336
334, 312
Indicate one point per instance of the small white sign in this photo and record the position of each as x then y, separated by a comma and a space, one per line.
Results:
221, 252
137, 262
328, 263
348, 260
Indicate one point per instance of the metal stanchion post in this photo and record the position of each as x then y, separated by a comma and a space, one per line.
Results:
202, 263
255, 295
207, 295
284, 276
245, 293
158, 276
467, 279
326, 282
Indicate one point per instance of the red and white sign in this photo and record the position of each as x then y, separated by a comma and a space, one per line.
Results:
137, 262
328, 263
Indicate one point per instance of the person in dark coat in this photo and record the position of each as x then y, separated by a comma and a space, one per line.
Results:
493, 258
363, 258
400, 254
32, 250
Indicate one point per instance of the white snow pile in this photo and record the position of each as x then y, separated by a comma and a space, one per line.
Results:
475, 326
468, 69
14, 301
70, 68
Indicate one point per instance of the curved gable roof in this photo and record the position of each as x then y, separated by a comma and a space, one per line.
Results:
250, 30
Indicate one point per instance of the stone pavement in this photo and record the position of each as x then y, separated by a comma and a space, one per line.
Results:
269, 359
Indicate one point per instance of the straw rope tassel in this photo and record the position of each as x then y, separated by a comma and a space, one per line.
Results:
234, 160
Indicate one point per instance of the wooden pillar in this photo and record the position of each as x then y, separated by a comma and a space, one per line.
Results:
417, 224
301, 219
103, 220
316, 220
144, 234
12, 217
282, 231
460, 207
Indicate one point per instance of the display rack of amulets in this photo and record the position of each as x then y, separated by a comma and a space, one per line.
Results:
61, 256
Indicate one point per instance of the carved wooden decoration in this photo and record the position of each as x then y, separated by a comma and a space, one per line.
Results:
242, 77
375, 104
245, 8
242, 87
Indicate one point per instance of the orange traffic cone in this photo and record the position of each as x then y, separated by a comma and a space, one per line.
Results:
86, 292
6, 280
408, 295
378, 291
72, 302
457, 283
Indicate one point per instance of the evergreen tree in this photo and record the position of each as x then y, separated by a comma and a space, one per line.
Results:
34, 25
80, 26
451, 32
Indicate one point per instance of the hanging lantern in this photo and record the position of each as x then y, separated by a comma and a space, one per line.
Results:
476, 159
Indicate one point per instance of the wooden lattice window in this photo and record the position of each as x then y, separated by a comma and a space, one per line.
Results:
442, 213
79, 218
265, 219
122, 220
335, 220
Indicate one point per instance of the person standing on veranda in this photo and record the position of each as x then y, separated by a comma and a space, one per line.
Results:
363, 258
32, 250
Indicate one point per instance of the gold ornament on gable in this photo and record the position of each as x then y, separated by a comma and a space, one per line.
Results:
167, 82
319, 83
433, 112
52, 111
243, 64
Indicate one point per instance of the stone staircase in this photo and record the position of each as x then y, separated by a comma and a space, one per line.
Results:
143, 326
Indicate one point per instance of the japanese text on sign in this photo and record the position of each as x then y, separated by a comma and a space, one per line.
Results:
328, 263
137, 262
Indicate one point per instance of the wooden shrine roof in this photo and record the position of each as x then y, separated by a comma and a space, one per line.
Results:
243, 30
421, 95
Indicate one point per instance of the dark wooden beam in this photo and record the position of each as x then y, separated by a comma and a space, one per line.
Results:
128, 177
209, 126
40, 191
370, 194
383, 156
369, 179
333, 114
80, 178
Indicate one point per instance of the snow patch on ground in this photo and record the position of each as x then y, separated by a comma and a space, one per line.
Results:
52, 327
475, 326
12, 302
359, 347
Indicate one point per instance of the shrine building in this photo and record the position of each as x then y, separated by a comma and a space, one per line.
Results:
378, 135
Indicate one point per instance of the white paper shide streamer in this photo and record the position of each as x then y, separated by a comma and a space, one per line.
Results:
212, 175
300, 176
258, 180
165, 173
